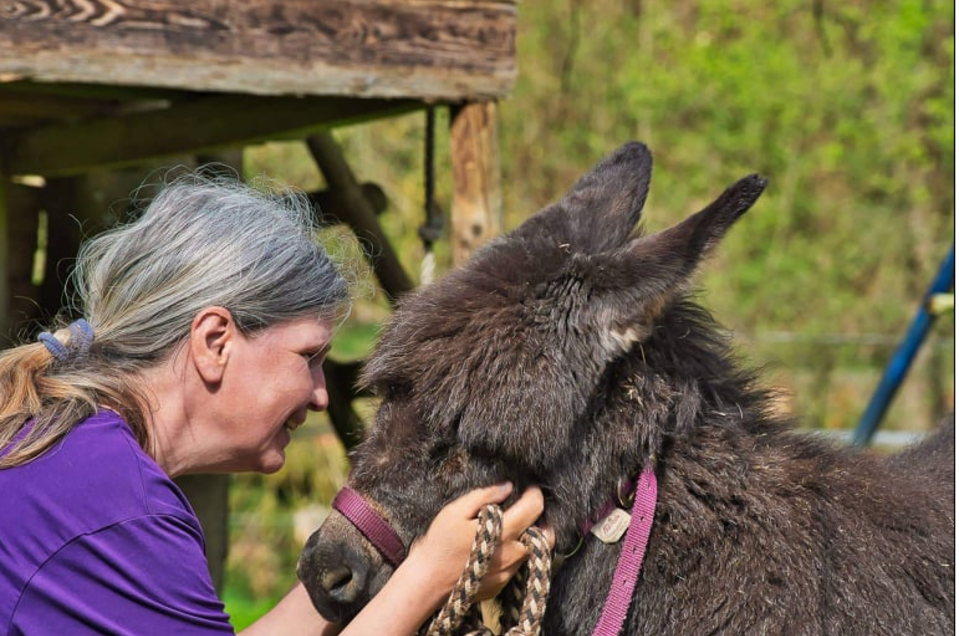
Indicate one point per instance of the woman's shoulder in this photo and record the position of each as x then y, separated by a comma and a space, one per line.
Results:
95, 476
95, 485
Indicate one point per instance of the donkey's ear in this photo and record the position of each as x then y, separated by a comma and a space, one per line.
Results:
674, 253
612, 195
599, 212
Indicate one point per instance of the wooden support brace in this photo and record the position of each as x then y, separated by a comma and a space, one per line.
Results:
341, 383
334, 207
358, 213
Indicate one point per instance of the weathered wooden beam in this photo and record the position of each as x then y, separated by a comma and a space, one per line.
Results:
91, 91
334, 206
477, 209
433, 49
19, 108
202, 125
358, 214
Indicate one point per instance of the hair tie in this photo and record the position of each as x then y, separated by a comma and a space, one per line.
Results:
54, 346
81, 337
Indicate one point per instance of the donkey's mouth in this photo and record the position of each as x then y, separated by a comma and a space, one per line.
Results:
340, 571
335, 583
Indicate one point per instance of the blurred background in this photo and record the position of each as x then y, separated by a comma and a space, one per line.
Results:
847, 107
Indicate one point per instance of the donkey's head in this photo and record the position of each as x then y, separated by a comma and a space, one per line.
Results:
513, 367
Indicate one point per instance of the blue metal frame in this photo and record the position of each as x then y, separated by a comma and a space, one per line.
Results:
903, 357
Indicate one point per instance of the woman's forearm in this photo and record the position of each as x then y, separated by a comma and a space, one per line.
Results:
399, 609
294, 615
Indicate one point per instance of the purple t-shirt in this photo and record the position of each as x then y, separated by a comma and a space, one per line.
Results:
96, 539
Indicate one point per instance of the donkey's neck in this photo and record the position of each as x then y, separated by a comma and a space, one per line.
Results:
670, 390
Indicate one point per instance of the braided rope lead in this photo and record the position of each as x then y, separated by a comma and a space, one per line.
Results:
525, 597
537, 584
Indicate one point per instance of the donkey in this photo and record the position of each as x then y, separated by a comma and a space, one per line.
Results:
570, 354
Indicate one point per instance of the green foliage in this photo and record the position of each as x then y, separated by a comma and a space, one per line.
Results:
850, 116
243, 609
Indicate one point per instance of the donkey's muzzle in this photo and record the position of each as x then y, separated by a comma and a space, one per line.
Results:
336, 576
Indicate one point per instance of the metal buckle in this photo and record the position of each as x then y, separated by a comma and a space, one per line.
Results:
625, 492
579, 545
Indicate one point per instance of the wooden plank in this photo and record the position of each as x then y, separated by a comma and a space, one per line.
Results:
432, 49
21, 109
101, 92
477, 209
201, 125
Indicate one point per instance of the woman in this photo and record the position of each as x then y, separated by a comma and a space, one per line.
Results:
205, 324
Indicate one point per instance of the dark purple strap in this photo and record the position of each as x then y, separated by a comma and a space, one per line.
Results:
376, 530
631, 558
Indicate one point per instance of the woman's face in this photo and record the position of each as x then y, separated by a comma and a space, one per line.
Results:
272, 380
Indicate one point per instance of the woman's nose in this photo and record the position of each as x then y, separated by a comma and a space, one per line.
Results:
320, 398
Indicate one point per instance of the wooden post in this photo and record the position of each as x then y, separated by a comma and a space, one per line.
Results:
477, 213
80, 207
23, 210
19, 297
210, 494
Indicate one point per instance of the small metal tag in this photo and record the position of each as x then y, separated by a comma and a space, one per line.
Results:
612, 528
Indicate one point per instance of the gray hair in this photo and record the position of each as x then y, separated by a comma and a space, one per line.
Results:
200, 242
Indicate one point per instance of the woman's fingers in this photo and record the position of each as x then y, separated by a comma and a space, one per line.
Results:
511, 553
522, 514
448, 540
471, 503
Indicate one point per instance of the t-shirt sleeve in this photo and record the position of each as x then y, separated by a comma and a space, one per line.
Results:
145, 576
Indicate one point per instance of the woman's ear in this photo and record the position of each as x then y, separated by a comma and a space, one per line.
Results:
212, 336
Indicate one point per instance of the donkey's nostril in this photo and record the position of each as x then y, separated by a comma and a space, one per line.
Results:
341, 583
337, 577
336, 581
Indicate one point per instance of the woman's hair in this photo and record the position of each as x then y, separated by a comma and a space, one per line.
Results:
201, 242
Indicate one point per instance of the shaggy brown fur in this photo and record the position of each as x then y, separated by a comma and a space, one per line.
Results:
569, 354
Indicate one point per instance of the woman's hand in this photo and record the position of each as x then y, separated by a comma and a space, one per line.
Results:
424, 580
444, 549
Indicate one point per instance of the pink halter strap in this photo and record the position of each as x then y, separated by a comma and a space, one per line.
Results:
369, 522
631, 558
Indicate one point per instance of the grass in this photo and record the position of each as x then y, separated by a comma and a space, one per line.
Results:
242, 609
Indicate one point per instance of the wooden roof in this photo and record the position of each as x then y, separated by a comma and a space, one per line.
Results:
105, 83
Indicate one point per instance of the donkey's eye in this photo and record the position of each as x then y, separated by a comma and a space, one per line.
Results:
396, 390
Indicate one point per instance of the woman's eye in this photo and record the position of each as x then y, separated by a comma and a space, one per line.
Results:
315, 356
